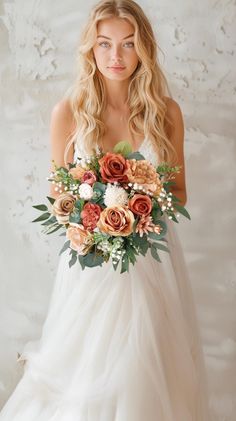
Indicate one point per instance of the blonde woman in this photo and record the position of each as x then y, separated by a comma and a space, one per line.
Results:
117, 347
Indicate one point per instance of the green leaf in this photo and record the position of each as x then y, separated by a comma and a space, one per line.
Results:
123, 147
156, 236
161, 247
136, 155
66, 245
131, 254
79, 204
182, 210
42, 217
81, 260
91, 260
175, 198
73, 260
154, 253
75, 217
51, 199
55, 229
50, 221
99, 187
40, 207
156, 213
174, 218
124, 263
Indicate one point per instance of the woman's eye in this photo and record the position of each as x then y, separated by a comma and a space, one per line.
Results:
104, 42
131, 44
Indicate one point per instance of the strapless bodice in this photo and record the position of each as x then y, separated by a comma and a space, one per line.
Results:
146, 149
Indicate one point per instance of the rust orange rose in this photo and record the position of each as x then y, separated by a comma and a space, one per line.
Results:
140, 204
113, 167
116, 220
77, 235
90, 215
63, 207
77, 172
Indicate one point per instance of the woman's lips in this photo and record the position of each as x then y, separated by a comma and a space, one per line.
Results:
118, 69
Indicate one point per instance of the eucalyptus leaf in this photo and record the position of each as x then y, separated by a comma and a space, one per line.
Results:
51, 199
55, 229
91, 260
40, 207
154, 253
124, 263
156, 236
50, 221
161, 247
66, 245
42, 217
136, 155
182, 210
73, 260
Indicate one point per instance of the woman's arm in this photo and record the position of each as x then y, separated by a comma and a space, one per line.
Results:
61, 129
176, 136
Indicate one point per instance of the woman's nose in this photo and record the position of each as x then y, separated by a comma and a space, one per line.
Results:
116, 53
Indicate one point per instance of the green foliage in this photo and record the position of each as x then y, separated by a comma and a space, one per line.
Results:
125, 263
136, 155
53, 228
40, 207
42, 217
123, 147
50, 221
156, 212
51, 199
73, 258
66, 245
182, 210
162, 234
154, 253
75, 217
91, 260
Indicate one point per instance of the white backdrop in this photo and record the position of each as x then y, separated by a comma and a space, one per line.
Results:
38, 40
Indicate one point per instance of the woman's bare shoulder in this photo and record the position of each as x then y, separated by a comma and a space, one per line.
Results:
62, 115
174, 115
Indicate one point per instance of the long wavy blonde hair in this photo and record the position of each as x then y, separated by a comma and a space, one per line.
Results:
147, 88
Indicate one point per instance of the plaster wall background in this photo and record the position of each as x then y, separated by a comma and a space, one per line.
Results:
37, 49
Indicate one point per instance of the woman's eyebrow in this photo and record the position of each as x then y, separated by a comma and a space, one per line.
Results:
103, 36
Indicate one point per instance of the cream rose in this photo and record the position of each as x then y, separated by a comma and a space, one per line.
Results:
63, 207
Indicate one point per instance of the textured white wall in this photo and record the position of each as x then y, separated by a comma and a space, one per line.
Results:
37, 41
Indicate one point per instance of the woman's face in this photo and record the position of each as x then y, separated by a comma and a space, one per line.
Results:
115, 47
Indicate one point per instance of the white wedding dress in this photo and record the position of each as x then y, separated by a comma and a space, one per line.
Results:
116, 347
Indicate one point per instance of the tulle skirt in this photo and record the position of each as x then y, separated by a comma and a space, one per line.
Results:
116, 347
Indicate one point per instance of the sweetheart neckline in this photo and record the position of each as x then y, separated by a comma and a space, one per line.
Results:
136, 150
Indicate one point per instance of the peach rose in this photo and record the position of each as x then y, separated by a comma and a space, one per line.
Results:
89, 177
116, 220
140, 204
113, 167
90, 215
63, 207
77, 235
77, 172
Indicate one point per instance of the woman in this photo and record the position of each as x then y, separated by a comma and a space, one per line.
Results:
117, 347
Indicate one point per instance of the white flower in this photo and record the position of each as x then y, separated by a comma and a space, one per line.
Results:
115, 196
85, 191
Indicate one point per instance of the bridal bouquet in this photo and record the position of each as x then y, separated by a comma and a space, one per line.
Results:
111, 206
